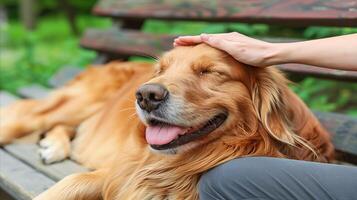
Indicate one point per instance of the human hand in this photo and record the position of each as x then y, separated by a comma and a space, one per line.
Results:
243, 48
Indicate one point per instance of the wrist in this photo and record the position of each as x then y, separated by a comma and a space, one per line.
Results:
274, 54
277, 53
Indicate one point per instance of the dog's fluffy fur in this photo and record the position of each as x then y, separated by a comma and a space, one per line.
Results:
265, 118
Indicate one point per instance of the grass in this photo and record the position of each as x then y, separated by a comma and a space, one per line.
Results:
33, 57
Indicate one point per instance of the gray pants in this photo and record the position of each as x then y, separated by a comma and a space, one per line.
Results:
274, 178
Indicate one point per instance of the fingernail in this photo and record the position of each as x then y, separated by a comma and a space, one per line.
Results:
205, 37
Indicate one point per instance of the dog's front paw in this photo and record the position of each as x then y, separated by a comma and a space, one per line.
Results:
7, 135
53, 150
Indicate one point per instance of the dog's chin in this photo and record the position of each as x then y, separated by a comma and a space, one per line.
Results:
178, 150
191, 138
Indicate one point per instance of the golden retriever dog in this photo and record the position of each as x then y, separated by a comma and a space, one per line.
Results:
150, 131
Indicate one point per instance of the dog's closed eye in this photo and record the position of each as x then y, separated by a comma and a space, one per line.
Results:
204, 71
158, 72
210, 71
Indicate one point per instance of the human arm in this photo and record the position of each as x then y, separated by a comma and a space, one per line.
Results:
334, 52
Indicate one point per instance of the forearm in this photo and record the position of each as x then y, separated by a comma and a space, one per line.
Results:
336, 52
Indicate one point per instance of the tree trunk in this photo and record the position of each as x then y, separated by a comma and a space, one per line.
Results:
28, 13
71, 16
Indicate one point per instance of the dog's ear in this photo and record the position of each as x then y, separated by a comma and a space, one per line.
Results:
269, 88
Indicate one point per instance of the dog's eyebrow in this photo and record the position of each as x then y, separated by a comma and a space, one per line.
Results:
202, 63
164, 63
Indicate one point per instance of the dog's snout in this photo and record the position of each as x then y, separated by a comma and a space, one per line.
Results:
150, 96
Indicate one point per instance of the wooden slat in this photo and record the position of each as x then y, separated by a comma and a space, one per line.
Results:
28, 154
128, 42
308, 70
344, 134
120, 42
33, 91
6, 98
282, 12
20, 180
64, 75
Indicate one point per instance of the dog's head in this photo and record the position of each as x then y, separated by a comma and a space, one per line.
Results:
200, 94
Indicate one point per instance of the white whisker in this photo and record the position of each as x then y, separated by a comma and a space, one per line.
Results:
125, 109
132, 116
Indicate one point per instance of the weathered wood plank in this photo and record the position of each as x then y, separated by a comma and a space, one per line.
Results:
19, 180
64, 75
6, 98
33, 91
344, 134
28, 154
121, 42
131, 42
282, 12
308, 70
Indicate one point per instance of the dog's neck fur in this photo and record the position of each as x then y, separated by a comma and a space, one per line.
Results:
157, 176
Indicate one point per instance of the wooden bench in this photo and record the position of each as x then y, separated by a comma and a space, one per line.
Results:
22, 173
23, 176
126, 39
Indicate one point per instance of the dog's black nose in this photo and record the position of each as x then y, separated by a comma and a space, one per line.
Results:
150, 96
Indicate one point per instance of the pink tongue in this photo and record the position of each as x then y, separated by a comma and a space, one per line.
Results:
159, 135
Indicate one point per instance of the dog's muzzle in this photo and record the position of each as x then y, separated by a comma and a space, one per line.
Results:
150, 96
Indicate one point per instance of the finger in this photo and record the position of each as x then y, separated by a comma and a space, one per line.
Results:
218, 43
192, 40
224, 36
189, 39
183, 41
232, 36
198, 38
179, 43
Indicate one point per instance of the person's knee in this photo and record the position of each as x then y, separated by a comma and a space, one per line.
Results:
236, 177
235, 173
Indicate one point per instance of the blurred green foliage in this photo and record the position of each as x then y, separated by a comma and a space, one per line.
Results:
48, 6
79, 5
33, 57
328, 95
